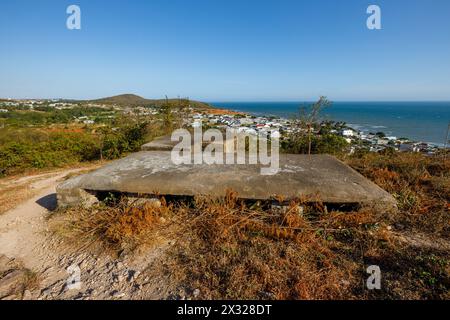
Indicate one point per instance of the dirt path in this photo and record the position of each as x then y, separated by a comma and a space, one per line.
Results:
22, 228
25, 239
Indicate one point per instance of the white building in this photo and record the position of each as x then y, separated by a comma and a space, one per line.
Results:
197, 124
348, 133
405, 147
382, 142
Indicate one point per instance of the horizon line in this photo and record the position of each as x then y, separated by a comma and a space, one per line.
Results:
209, 101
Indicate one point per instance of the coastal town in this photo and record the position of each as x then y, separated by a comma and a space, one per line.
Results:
223, 119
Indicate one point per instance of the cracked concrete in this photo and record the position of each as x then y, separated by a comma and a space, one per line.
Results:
152, 172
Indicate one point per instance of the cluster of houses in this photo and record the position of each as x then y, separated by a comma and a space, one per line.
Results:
376, 142
140, 111
242, 123
373, 142
29, 104
57, 104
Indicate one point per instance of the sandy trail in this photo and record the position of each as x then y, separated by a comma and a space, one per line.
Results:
22, 229
24, 237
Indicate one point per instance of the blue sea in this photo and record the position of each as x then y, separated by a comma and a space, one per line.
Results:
420, 121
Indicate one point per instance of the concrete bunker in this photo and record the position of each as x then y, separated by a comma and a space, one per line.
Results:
149, 173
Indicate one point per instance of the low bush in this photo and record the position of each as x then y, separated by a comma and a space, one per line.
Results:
327, 143
23, 149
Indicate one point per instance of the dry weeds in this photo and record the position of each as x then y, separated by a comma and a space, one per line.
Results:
231, 249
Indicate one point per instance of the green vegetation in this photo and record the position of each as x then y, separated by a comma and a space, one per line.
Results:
309, 117
22, 149
47, 137
315, 144
313, 137
45, 115
134, 100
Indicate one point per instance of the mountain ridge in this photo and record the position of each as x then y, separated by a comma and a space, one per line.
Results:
130, 99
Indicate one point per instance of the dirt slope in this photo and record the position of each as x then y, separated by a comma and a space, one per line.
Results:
26, 240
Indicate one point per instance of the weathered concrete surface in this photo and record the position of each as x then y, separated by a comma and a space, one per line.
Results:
153, 172
165, 143
160, 144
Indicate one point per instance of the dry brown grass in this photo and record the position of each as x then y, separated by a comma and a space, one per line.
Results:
10, 196
119, 227
421, 185
231, 249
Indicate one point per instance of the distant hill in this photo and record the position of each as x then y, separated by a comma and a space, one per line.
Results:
135, 100
123, 99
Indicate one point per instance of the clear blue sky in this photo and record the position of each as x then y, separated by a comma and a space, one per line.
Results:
226, 50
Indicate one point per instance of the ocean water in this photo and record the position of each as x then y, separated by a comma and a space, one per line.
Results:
420, 121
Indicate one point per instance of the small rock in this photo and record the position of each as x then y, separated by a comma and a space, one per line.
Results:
117, 294
132, 275
196, 293
10, 281
267, 295
399, 226
27, 295
46, 292
118, 278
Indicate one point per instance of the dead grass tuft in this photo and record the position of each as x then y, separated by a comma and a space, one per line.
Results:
420, 183
231, 249
117, 228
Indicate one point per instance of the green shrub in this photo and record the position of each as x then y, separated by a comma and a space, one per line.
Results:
28, 149
327, 143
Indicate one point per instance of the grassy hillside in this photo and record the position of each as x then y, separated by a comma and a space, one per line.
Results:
134, 100
124, 99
